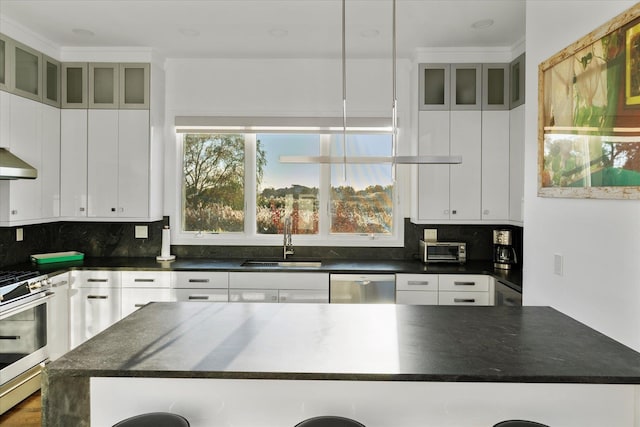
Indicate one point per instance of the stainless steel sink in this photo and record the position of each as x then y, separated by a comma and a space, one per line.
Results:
284, 263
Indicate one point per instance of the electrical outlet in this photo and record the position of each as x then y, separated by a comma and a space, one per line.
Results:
142, 232
558, 260
19, 235
430, 235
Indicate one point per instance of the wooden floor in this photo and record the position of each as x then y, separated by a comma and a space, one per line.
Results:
26, 414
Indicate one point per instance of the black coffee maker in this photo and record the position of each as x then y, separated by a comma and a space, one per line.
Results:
504, 255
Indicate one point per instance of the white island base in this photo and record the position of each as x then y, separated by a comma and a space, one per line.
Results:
283, 403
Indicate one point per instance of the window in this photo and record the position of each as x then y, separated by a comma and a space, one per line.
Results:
235, 189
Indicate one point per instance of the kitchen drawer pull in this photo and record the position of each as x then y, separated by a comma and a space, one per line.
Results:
418, 282
9, 337
97, 280
464, 283
198, 297
139, 305
144, 280
97, 296
198, 280
464, 300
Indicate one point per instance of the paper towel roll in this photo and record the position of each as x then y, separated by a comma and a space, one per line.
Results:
166, 243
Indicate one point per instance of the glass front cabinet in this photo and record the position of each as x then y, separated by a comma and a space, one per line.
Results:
27, 71
51, 81
74, 85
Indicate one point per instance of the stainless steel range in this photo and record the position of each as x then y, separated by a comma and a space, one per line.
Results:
23, 333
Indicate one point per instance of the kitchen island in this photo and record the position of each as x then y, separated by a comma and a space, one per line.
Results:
385, 365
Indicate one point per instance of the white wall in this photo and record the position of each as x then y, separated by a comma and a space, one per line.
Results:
599, 239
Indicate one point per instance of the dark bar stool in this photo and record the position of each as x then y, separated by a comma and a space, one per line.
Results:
154, 419
329, 421
519, 423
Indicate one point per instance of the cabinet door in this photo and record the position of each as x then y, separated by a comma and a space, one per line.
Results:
253, 295
465, 185
74, 85
495, 87
102, 165
495, 165
103, 85
49, 171
133, 163
303, 296
145, 279
21, 200
464, 282
466, 87
51, 81
202, 294
6, 53
27, 71
517, 77
516, 164
417, 297
434, 86
433, 180
416, 282
73, 163
134, 86
135, 298
98, 308
58, 317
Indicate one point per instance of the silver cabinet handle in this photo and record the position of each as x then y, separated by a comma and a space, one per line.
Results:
97, 280
9, 337
417, 282
464, 300
97, 296
144, 280
139, 305
81, 209
464, 283
198, 297
198, 280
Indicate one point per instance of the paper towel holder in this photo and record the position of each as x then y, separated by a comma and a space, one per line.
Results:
165, 252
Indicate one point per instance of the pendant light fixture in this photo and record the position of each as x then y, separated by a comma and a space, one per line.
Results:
394, 159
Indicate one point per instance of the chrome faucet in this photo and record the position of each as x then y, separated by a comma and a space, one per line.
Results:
287, 245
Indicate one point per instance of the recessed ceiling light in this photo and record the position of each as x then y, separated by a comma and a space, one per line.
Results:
189, 32
369, 34
278, 32
483, 23
82, 32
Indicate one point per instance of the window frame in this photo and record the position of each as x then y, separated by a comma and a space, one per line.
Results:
250, 237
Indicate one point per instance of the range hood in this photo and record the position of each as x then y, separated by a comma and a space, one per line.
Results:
12, 167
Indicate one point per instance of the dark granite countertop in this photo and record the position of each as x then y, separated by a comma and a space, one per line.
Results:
352, 342
512, 278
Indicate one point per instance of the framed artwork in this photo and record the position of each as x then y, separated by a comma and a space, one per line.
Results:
589, 114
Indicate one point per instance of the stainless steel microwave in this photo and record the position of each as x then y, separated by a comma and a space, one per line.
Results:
453, 252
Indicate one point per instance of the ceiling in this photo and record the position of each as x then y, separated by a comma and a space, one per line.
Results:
269, 28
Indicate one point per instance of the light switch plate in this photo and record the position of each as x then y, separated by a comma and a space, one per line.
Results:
19, 235
430, 235
142, 232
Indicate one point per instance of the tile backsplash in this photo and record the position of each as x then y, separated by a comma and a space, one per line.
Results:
100, 239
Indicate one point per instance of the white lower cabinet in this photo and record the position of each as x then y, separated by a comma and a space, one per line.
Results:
95, 299
58, 317
139, 288
201, 286
444, 289
279, 287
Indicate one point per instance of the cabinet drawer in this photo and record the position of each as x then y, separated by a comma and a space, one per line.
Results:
95, 279
417, 297
303, 295
319, 281
215, 295
253, 295
417, 282
200, 279
135, 298
463, 282
146, 279
463, 298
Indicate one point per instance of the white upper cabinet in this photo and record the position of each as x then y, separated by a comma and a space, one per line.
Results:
73, 163
49, 171
495, 165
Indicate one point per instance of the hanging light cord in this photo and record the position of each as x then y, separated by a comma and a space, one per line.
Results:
344, 90
394, 107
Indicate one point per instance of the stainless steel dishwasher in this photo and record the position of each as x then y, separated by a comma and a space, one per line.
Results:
362, 289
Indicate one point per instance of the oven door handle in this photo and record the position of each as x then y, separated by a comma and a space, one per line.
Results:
43, 299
